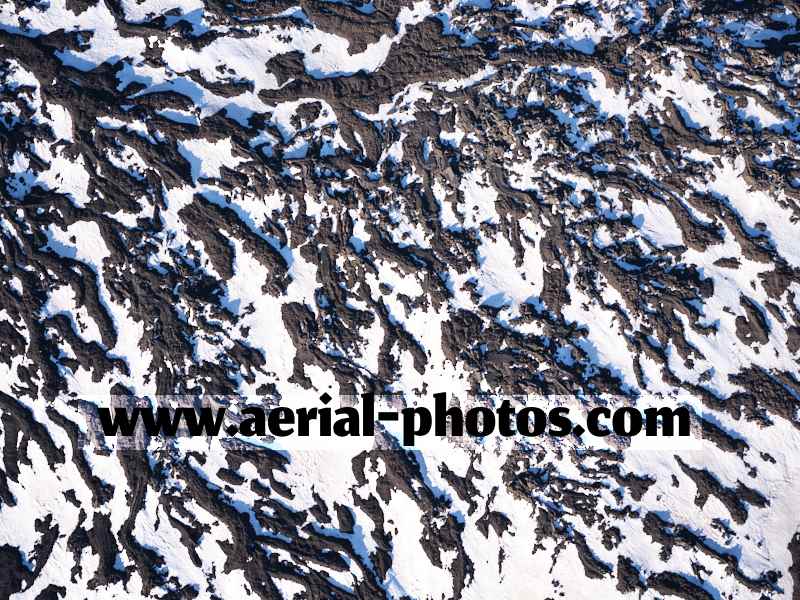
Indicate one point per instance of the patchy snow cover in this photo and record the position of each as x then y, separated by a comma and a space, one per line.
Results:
552, 202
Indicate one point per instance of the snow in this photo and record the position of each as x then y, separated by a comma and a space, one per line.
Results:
657, 223
62, 301
477, 205
206, 158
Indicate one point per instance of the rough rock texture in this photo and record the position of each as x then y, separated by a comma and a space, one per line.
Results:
276, 199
